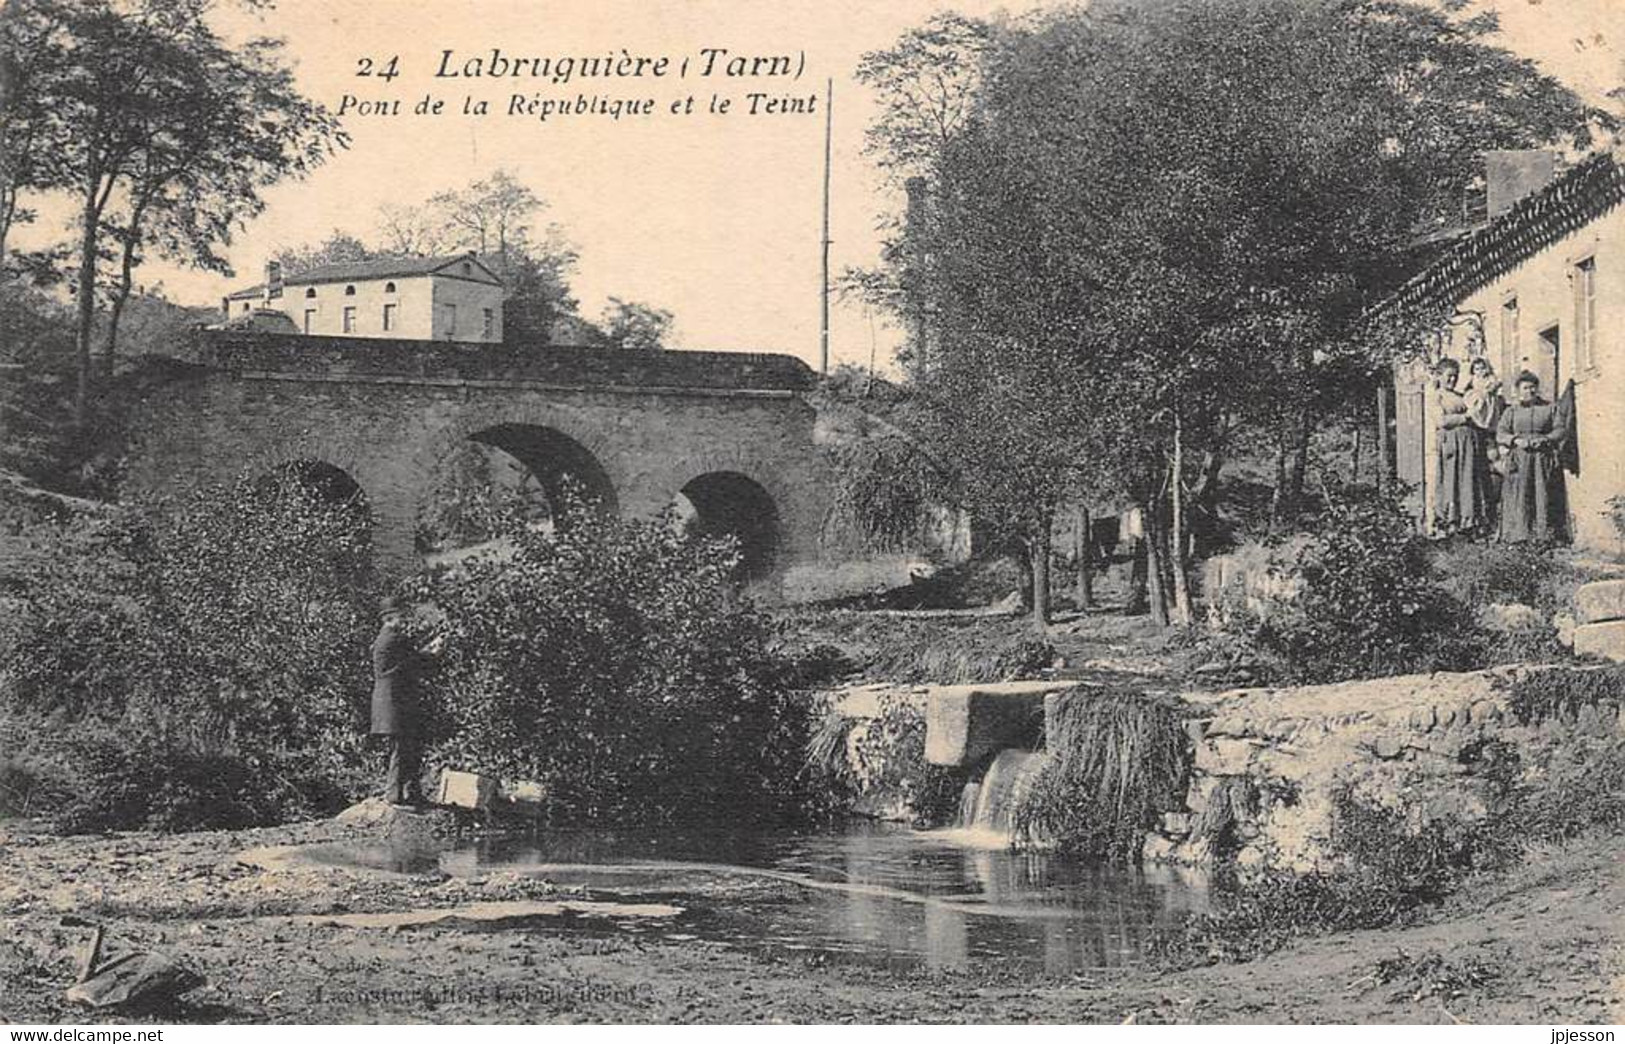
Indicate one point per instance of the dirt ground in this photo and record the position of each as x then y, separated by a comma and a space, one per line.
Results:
1545, 944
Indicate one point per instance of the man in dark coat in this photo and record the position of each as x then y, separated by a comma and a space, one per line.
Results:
397, 667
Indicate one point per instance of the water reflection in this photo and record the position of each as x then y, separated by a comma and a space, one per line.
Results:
872, 893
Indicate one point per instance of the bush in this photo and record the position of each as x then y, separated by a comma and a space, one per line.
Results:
161, 781
1388, 871
1368, 602
1119, 760
616, 663
890, 760
238, 617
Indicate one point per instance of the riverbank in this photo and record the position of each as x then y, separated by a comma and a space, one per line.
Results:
1544, 943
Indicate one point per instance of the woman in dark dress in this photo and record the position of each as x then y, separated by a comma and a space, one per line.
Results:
1461, 497
1534, 501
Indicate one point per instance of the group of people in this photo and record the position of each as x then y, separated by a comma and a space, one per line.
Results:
1499, 473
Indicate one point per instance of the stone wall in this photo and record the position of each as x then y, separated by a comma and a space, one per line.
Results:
1410, 740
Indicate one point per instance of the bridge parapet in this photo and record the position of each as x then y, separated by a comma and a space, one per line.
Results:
362, 357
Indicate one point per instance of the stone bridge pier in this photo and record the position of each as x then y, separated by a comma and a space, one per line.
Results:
726, 437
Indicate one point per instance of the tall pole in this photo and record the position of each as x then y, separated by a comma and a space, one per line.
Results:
823, 296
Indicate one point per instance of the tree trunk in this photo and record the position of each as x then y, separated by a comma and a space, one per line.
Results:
1156, 578
1040, 545
1300, 461
1182, 590
1354, 466
90, 217
1278, 497
115, 310
1085, 550
1139, 580
1204, 521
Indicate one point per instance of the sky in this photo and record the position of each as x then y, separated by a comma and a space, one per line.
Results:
713, 217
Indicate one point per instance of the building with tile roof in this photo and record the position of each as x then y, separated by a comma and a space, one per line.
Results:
1540, 286
405, 298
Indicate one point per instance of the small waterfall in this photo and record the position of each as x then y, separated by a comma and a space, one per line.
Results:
991, 805
967, 804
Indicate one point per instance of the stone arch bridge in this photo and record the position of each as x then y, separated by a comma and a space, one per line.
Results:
731, 432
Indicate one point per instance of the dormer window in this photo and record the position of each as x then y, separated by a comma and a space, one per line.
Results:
311, 292
468, 269
349, 291
389, 288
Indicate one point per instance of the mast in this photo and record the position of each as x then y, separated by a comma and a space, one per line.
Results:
823, 296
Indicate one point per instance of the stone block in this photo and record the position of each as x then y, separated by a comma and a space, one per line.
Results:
1599, 602
465, 790
966, 723
1606, 640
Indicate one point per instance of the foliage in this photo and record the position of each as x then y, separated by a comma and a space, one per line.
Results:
156, 780
885, 489
1387, 872
231, 624
615, 662
475, 492
167, 135
1490, 573
1118, 761
887, 760
630, 325
1000, 658
926, 86
1395, 862
1542, 696
1370, 604
1266, 164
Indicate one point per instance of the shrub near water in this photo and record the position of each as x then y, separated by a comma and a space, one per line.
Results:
616, 663
199, 662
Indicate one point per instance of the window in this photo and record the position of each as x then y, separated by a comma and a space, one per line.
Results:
389, 288
1509, 341
311, 292
349, 318
247, 306
349, 291
1585, 314
448, 315
389, 316
310, 320
488, 330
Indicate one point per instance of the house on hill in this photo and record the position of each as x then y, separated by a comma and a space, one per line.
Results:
412, 298
1539, 287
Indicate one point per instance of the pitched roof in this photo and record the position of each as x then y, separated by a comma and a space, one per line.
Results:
1575, 198
380, 268
384, 268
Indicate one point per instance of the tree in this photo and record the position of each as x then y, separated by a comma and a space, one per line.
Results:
1192, 202
339, 247
32, 132
165, 122
491, 217
631, 325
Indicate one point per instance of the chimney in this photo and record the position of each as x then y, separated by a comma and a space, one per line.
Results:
1512, 174
273, 280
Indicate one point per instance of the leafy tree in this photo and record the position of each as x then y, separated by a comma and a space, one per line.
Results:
631, 325
222, 632
165, 126
614, 662
339, 247
1178, 212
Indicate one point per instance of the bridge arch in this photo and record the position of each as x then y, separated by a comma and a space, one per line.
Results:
729, 503
554, 461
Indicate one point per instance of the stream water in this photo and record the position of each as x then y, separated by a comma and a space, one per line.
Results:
874, 894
